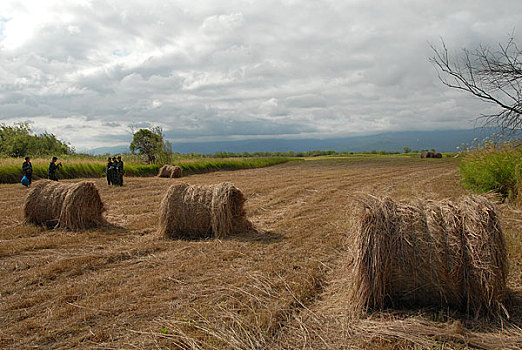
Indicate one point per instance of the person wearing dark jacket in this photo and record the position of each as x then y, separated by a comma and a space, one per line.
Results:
52, 169
27, 169
109, 170
114, 171
119, 171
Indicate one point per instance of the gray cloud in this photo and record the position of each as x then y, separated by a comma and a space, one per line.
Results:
237, 69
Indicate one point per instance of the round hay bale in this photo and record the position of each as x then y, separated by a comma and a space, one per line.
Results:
192, 211
430, 254
176, 171
76, 206
170, 171
486, 255
164, 171
430, 154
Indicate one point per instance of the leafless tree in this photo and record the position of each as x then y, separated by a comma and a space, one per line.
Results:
493, 75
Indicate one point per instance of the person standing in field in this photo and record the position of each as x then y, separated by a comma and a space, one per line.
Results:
27, 169
109, 170
114, 177
52, 169
119, 171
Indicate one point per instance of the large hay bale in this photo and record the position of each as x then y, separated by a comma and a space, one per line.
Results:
430, 254
170, 171
76, 206
192, 211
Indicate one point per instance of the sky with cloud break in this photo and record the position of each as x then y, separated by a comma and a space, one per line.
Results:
90, 71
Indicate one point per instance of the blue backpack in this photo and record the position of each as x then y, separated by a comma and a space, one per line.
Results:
25, 181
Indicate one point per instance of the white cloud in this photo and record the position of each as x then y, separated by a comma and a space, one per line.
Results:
237, 69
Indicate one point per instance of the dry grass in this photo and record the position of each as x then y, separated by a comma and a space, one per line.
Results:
281, 287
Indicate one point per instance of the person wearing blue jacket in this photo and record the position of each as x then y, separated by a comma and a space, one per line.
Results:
27, 169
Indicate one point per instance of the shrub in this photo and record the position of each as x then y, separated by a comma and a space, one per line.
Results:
493, 168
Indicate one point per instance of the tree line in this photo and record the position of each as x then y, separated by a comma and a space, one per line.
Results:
18, 140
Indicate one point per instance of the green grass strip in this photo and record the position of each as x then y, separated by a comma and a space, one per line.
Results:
10, 173
493, 169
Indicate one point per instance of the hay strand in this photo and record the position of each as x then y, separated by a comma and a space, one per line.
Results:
76, 206
430, 254
170, 171
192, 211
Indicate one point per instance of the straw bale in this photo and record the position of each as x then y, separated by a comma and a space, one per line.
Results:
170, 171
193, 211
430, 154
75, 206
430, 254
485, 250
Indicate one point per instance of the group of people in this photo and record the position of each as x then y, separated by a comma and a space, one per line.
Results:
114, 171
27, 170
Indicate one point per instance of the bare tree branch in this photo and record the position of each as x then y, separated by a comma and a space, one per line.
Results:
494, 76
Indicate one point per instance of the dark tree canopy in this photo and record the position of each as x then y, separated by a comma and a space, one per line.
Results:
18, 141
493, 75
148, 142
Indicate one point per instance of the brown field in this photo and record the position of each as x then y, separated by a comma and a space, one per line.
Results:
283, 287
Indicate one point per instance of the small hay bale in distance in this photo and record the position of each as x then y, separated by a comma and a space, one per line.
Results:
170, 171
425, 154
194, 211
430, 154
440, 254
76, 206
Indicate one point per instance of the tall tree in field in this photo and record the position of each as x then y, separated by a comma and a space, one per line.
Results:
149, 142
493, 75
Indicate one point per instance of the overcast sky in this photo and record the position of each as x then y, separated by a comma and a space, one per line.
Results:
225, 70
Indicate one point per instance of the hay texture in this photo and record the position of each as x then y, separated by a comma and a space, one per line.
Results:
76, 206
170, 171
440, 254
192, 211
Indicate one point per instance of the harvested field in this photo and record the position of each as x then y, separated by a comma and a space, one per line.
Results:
283, 287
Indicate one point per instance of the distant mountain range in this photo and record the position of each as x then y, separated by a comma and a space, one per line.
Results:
441, 140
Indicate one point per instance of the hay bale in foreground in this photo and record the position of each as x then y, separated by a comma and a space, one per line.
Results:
430, 254
170, 171
192, 211
76, 206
